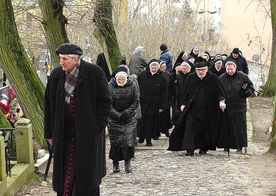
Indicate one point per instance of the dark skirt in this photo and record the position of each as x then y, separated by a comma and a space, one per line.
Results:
149, 127
241, 129
165, 121
119, 153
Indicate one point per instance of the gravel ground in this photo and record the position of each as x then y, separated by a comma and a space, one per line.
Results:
157, 171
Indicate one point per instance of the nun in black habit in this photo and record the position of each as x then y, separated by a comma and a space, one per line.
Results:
204, 123
153, 100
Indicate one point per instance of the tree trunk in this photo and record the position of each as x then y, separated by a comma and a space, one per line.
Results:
270, 86
54, 23
19, 70
105, 32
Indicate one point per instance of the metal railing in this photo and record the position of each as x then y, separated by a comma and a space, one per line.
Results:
8, 140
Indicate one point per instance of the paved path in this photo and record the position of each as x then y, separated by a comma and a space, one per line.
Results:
161, 172
158, 172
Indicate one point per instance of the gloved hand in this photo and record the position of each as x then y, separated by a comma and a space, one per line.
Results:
124, 117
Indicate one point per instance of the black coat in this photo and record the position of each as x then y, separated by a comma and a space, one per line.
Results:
153, 92
237, 103
220, 131
240, 62
170, 86
215, 71
92, 104
124, 99
178, 95
233, 85
101, 61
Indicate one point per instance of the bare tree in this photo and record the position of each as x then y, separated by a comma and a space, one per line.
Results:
105, 32
19, 70
270, 87
54, 23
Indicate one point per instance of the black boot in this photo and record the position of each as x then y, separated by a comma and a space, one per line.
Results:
202, 152
148, 142
141, 140
239, 150
226, 150
190, 153
167, 134
128, 168
116, 167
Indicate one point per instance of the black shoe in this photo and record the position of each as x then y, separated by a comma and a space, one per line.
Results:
190, 153
128, 168
141, 140
149, 144
226, 150
156, 138
202, 152
116, 167
239, 150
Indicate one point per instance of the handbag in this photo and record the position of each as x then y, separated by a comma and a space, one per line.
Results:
245, 91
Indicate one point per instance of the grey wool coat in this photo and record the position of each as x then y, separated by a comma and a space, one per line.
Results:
92, 105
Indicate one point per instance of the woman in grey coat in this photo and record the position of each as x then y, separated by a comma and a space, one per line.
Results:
122, 122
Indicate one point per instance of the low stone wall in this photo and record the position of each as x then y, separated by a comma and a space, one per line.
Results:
24, 166
258, 73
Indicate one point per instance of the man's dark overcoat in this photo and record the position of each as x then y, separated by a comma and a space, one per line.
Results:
92, 105
219, 131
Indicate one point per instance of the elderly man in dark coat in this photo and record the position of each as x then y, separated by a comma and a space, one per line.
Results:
153, 99
137, 63
202, 124
77, 107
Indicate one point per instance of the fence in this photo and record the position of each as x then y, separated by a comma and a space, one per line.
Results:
12, 178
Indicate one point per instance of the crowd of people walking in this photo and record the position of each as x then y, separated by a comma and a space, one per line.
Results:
201, 98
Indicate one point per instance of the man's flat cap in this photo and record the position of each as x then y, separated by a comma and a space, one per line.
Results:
68, 48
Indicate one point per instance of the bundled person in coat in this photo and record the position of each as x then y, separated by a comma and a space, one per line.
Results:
183, 56
240, 61
238, 87
167, 57
185, 70
122, 122
101, 61
201, 124
165, 116
77, 107
137, 62
153, 100
194, 53
217, 67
